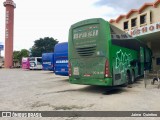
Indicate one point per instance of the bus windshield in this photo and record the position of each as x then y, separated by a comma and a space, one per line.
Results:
31, 59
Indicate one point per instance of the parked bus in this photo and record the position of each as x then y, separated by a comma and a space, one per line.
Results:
102, 54
35, 63
25, 63
61, 59
48, 61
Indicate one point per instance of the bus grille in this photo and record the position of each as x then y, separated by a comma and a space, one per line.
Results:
87, 51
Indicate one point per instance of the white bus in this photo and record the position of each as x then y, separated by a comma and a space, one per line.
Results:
35, 63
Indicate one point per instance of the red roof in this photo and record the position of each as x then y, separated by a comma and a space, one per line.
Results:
131, 12
156, 3
145, 6
136, 10
112, 20
120, 17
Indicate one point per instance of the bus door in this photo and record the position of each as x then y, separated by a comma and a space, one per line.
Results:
141, 62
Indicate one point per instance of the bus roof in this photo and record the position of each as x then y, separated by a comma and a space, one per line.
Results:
61, 47
46, 56
87, 21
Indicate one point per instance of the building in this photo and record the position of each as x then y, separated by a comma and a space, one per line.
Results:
144, 24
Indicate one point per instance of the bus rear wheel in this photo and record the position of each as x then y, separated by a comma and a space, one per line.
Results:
128, 78
133, 77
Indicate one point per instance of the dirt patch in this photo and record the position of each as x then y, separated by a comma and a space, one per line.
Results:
60, 107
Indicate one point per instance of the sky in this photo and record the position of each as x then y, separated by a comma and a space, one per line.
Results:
36, 19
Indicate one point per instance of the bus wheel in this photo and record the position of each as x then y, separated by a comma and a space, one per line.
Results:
133, 77
128, 77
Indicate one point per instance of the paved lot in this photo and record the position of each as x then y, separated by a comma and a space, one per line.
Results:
42, 90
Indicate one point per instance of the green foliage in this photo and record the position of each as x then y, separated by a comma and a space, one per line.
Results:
43, 45
17, 55
24, 53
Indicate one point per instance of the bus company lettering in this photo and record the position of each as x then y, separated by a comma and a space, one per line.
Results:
86, 34
49, 63
62, 61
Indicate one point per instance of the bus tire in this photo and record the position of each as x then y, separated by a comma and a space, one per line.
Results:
128, 77
133, 77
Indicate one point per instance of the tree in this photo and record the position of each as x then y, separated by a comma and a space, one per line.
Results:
43, 45
24, 53
17, 55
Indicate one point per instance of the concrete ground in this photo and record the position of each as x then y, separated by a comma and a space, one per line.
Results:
29, 90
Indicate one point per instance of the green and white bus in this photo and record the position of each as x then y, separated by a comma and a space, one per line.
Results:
101, 54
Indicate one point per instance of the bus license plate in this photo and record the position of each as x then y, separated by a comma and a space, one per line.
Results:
76, 71
62, 70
